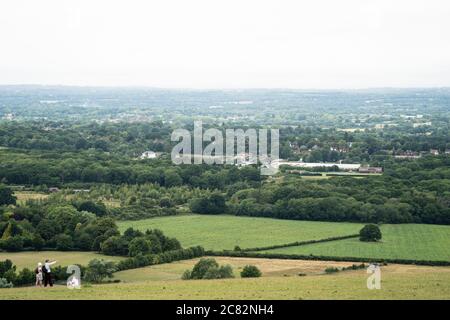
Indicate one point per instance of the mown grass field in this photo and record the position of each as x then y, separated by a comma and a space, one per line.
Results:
224, 232
268, 267
398, 282
24, 196
29, 259
403, 241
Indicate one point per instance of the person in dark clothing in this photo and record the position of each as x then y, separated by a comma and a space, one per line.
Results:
48, 280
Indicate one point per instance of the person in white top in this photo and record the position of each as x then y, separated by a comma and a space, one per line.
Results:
39, 275
48, 273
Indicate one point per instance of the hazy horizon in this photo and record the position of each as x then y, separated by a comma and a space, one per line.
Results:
201, 44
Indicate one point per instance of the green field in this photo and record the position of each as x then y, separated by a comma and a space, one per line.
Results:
268, 267
29, 259
404, 241
224, 232
398, 282
24, 196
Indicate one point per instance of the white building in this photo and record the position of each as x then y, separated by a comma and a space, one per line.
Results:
149, 155
341, 166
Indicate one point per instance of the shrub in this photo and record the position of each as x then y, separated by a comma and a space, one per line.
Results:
331, 270
5, 284
208, 268
186, 275
25, 277
99, 269
6, 265
250, 271
12, 244
139, 246
370, 232
202, 266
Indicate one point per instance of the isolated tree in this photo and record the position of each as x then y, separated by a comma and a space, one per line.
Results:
250, 271
202, 266
139, 246
115, 246
370, 232
99, 269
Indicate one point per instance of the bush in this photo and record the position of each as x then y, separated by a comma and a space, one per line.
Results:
6, 265
12, 244
99, 269
5, 284
208, 268
370, 232
250, 271
99, 209
25, 277
202, 266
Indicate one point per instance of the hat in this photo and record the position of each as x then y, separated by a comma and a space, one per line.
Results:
39, 264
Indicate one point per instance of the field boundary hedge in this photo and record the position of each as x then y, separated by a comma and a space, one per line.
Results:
140, 261
244, 254
298, 243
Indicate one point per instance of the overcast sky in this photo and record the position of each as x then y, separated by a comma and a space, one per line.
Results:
226, 43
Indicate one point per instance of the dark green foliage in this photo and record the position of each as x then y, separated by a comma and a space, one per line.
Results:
202, 266
212, 204
99, 208
370, 232
139, 246
5, 266
6, 196
208, 268
99, 269
250, 271
165, 257
331, 270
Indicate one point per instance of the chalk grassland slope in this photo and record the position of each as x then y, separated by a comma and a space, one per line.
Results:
29, 259
404, 241
225, 232
398, 282
268, 267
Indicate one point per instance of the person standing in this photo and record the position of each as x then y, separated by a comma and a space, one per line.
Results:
39, 275
48, 273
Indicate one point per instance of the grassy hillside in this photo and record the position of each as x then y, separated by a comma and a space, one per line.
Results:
404, 241
224, 232
398, 282
29, 259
